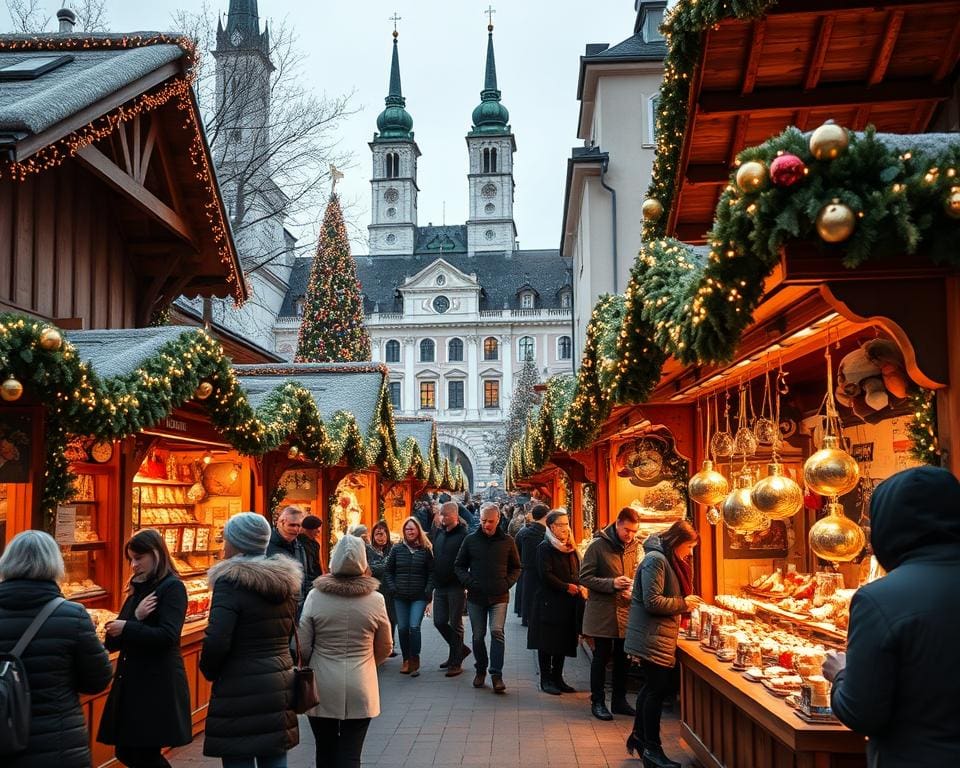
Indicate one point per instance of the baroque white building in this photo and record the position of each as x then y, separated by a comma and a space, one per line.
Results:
453, 311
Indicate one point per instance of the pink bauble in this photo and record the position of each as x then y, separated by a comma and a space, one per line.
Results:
786, 170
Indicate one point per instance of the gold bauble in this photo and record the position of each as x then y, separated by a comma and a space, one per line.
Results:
744, 442
293, 452
835, 222
713, 515
708, 486
952, 204
50, 339
836, 537
738, 511
776, 495
652, 209
721, 444
828, 141
203, 391
751, 176
11, 389
831, 471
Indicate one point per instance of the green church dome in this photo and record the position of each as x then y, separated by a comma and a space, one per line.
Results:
394, 122
490, 116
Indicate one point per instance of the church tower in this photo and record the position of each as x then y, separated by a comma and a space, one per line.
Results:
491, 146
393, 209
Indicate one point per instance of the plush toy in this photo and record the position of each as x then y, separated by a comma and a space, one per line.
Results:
886, 355
869, 375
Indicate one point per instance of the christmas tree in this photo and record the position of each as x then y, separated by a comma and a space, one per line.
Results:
332, 328
523, 402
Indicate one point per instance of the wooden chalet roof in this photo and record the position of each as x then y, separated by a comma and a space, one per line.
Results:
858, 62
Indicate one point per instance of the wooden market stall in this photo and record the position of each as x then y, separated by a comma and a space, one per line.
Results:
791, 285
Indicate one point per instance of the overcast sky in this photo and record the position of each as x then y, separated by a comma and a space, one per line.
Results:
442, 48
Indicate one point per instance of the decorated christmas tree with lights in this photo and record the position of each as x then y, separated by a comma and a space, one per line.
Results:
332, 329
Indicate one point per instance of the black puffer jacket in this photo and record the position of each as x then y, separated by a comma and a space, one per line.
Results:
409, 573
149, 660
488, 566
64, 660
527, 541
446, 546
246, 653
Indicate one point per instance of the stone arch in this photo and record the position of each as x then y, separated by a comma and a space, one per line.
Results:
458, 450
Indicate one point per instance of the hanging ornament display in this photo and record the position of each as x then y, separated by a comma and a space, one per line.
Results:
835, 222
652, 209
836, 537
293, 452
203, 390
11, 389
744, 442
829, 141
713, 515
764, 428
50, 339
952, 204
751, 176
777, 495
786, 170
721, 444
739, 514
708, 486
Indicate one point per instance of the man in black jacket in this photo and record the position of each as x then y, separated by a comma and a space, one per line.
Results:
448, 595
284, 541
488, 565
528, 539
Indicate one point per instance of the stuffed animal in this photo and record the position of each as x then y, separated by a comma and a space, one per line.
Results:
869, 375
886, 355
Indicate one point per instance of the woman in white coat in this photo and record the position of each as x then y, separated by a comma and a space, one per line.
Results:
344, 635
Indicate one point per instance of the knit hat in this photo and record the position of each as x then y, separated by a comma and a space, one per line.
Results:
248, 532
312, 522
349, 557
358, 530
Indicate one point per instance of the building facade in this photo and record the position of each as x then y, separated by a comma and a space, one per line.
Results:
453, 311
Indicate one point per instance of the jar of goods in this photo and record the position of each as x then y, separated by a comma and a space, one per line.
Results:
748, 654
827, 584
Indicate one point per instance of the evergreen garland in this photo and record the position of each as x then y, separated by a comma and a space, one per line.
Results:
923, 427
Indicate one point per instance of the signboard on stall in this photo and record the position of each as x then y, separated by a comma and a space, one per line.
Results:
65, 525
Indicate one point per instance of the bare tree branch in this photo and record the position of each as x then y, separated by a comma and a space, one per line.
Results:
28, 16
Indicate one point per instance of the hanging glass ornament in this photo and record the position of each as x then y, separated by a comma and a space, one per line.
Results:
713, 515
836, 537
764, 428
777, 495
745, 442
708, 486
721, 444
739, 514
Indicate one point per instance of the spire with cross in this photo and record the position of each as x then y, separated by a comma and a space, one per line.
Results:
489, 12
395, 18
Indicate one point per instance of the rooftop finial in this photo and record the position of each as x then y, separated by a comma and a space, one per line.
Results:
395, 18
490, 11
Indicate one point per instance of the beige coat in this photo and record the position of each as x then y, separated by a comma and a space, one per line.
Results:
345, 634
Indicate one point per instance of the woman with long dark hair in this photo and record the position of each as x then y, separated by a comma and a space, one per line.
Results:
662, 591
409, 578
148, 707
378, 550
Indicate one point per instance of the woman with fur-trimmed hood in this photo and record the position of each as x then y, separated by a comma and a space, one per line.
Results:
246, 650
345, 634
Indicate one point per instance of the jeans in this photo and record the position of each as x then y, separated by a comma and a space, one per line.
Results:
658, 683
276, 761
448, 605
480, 615
603, 649
339, 742
141, 757
409, 619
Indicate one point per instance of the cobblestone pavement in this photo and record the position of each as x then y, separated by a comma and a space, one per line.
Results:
432, 720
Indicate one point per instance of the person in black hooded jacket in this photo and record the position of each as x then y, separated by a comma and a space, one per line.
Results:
528, 540
897, 682
64, 659
449, 599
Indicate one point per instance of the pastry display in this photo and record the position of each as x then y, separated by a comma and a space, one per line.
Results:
742, 605
73, 590
198, 598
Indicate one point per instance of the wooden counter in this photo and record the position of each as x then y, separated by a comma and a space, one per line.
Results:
729, 721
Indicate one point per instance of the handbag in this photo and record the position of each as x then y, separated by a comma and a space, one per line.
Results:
305, 696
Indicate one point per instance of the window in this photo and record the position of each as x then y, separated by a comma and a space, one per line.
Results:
526, 348
441, 304
455, 351
651, 27
427, 351
526, 300
392, 351
395, 395
392, 160
493, 161
565, 299
491, 393
564, 348
491, 349
299, 306
653, 108
428, 394
454, 394
489, 160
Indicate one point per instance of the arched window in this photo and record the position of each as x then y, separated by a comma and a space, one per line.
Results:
493, 161
486, 161
427, 351
455, 351
564, 348
491, 349
392, 351
393, 165
526, 348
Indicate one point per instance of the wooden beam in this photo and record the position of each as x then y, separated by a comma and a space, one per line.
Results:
738, 140
819, 55
922, 117
148, 151
758, 31
948, 61
103, 167
809, 7
707, 173
890, 34
789, 99
861, 118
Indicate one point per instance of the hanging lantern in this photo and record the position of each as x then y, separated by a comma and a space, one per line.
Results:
11, 389
836, 537
835, 222
829, 141
203, 390
50, 339
952, 204
831, 471
652, 209
776, 495
751, 176
293, 452
708, 486
713, 515
738, 511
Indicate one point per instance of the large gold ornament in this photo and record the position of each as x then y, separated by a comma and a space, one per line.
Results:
835, 222
50, 339
829, 141
952, 204
751, 176
777, 495
738, 511
11, 389
652, 209
708, 486
203, 390
831, 471
836, 537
